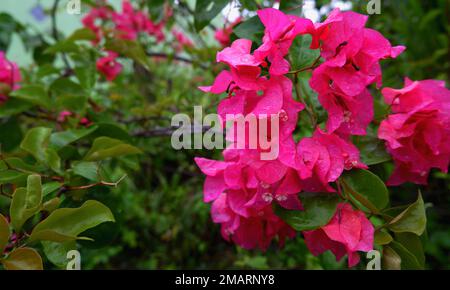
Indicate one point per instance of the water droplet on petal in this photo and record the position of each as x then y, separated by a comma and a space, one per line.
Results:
267, 197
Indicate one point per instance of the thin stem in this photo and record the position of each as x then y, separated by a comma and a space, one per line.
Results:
55, 32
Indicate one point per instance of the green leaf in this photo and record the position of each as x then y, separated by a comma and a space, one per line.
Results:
50, 187
131, 49
413, 219
36, 143
413, 244
11, 176
408, 260
82, 34
382, 238
301, 55
68, 94
251, 29
63, 46
51, 205
26, 202
87, 76
319, 208
291, 7
367, 188
105, 147
88, 170
66, 224
35, 94
372, 149
14, 107
7, 27
56, 253
4, 233
205, 11
391, 260
23, 259
62, 139
11, 134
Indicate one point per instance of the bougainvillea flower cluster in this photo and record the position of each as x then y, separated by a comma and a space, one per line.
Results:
352, 54
108, 66
127, 25
222, 35
244, 187
417, 134
10, 76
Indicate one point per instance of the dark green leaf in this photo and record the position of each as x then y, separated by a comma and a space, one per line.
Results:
66, 224
413, 219
62, 139
251, 29
35, 94
367, 188
206, 11
319, 208
4, 233
104, 148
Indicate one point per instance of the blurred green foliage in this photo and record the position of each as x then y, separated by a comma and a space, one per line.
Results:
161, 221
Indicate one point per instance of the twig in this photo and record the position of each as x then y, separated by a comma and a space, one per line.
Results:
104, 183
176, 57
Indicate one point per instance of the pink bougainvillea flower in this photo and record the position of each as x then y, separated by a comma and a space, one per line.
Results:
280, 31
90, 21
62, 116
343, 94
182, 41
418, 134
243, 65
129, 23
253, 232
322, 158
222, 35
10, 76
108, 66
348, 232
415, 94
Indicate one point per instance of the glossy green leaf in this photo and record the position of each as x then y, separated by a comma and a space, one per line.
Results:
319, 208
104, 147
26, 202
61, 139
88, 170
413, 219
382, 238
11, 176
129, 49
4, 233
13, 107
251, 29
68, 94
408, 260
66, 224
82, 34
56, 253
35, 94
300, 53
36, 143
23, 259
367, 188
205, 11
50, 187
413, 244
51, 205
